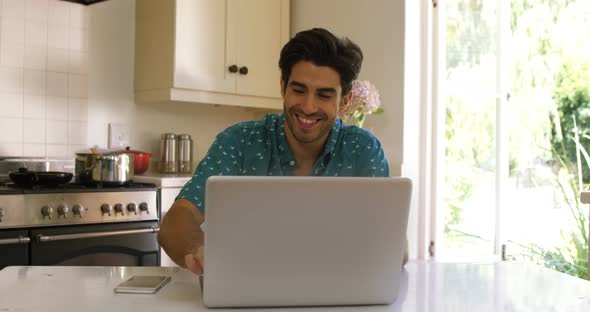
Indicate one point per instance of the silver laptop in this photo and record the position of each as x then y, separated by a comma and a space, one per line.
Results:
304, 241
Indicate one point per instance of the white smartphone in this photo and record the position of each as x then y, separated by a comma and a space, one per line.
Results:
142, 284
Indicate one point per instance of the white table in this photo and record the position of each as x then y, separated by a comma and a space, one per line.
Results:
502, 286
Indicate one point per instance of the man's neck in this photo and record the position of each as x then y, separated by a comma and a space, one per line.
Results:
306, 154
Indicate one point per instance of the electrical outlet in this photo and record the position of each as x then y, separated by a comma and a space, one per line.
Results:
119, 136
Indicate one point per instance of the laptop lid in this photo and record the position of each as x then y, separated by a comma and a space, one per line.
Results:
304, 241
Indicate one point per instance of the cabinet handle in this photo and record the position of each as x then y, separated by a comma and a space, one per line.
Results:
244, 70
233, 69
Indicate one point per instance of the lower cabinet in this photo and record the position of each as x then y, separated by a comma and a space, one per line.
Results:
168, 194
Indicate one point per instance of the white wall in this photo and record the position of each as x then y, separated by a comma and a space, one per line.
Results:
411, 137
43, 78
66, 72
110, 90
377, 26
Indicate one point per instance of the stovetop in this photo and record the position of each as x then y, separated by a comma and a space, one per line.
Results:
6, 190
75, 204
11, 188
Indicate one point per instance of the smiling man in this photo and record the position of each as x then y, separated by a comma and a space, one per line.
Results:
307, 139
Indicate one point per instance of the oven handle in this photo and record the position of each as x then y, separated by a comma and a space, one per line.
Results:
50, 238
18, 240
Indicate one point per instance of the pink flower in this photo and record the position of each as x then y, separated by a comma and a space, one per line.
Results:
364, 101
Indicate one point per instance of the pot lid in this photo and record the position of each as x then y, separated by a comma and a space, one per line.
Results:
128, 150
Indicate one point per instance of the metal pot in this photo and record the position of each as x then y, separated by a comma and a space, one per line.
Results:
141, 160
106, 169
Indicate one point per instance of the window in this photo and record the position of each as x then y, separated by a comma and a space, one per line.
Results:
514, 89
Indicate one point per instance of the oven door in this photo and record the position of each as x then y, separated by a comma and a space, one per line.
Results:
114, 244
14, 247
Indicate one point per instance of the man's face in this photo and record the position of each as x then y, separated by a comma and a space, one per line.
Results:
311, 101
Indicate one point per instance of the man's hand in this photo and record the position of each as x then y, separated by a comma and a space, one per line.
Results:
195, 262
181, 236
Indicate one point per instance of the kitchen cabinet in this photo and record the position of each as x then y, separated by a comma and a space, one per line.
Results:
210, 51
168, 188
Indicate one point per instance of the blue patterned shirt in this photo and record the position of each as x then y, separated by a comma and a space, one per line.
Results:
260, 148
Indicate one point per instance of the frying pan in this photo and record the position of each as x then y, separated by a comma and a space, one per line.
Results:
26, 178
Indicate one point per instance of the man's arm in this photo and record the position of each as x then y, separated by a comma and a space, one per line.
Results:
181, 236
180, 233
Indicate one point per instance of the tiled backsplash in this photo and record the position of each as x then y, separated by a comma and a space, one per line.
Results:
43, 78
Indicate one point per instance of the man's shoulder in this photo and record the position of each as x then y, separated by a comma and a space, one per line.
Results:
362, 149
350, 133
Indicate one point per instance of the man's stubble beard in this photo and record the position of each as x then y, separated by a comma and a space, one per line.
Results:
325, 128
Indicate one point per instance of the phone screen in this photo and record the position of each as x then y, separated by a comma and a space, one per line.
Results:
142, 284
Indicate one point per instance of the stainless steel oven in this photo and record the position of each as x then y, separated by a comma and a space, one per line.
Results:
125, 244
79, 225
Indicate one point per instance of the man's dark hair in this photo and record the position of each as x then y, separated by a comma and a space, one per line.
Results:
322, 48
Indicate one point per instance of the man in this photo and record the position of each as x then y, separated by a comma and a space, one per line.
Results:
317, 71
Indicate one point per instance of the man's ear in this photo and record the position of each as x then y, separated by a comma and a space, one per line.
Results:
282, 88
345, 101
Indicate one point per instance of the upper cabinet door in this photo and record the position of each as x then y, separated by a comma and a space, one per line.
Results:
210, 51
203, 46
259, 43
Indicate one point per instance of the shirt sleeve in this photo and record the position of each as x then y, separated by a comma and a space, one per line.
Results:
372, 162
223, 158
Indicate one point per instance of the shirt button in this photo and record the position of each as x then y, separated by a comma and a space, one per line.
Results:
292, 163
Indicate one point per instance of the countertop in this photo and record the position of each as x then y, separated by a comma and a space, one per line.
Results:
498, 286
163, 180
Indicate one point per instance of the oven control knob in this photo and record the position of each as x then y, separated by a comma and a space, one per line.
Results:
1, 214
105, 209
132, 207
46, 211
119, 209
62, 211
77, 209
144, 207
